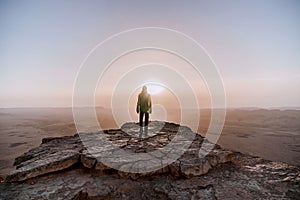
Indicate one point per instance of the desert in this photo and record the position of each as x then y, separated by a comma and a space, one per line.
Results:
271, 134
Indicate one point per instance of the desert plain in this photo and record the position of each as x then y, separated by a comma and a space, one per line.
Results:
273, 134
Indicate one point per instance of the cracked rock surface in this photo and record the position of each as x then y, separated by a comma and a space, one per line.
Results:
105, 165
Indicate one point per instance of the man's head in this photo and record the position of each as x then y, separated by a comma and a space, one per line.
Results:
144, 88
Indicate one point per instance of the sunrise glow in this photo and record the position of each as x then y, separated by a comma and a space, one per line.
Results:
154, 88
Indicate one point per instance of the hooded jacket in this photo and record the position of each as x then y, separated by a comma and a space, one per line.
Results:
144, 103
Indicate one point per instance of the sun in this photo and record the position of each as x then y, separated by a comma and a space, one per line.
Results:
154, 88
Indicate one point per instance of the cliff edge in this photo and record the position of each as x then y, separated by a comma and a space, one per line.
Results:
70, 168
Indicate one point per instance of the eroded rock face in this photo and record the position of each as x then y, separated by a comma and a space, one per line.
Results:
91, 150
50, 163
54, 154
71, 168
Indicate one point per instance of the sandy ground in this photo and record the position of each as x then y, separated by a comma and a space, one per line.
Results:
271, 134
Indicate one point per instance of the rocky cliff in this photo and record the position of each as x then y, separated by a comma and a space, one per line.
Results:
71, 168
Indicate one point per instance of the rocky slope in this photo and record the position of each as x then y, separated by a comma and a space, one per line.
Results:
70, 168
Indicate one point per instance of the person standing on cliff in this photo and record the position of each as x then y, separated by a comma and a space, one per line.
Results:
144, 107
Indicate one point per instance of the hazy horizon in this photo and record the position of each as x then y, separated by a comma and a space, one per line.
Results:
242, 107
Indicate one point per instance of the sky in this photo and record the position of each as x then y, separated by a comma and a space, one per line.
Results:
254, 44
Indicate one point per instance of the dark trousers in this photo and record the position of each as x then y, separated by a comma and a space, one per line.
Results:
146, 118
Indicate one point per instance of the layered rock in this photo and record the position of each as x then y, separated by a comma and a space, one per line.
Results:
54, 154
88, 149
86, 166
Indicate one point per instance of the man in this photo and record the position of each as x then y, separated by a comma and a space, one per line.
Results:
144, 106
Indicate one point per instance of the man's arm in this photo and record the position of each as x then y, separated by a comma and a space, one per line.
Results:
150, 104
138, 105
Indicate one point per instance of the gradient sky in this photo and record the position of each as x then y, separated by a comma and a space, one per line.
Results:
255, 44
